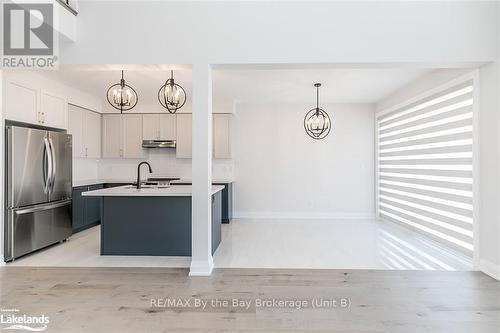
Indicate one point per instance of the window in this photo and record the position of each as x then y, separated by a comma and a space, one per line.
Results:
425, 166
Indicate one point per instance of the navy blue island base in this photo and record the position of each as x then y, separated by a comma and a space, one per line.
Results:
152, 226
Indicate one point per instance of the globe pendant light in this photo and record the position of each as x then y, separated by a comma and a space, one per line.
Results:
121, 96
171, 95
317, 122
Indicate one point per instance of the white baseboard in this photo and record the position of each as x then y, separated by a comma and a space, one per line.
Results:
303, 215
489, 268
201, 267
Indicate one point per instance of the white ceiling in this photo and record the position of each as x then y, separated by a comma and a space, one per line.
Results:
146, 81
339, 85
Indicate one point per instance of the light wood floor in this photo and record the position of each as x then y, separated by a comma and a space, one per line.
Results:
119, 300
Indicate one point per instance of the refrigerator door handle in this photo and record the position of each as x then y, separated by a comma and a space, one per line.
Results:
54, 165
47, 174
40, 208
11, 235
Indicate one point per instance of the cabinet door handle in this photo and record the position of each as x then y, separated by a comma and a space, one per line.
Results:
86, 152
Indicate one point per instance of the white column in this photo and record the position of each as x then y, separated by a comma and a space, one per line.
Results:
201, 260
2, 167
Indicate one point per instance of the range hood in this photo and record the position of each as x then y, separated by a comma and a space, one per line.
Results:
158, 143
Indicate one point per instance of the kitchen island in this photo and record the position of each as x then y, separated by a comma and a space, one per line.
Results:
151, 221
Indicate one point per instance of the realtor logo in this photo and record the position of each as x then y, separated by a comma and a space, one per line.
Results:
12, 319
28, 35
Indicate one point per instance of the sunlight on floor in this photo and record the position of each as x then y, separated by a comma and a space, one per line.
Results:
350, 244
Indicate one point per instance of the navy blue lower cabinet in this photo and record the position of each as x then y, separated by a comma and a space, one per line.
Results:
227, 200
93, 207
78, 214
216, 220
86, 210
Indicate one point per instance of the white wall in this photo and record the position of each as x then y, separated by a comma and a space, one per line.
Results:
490, 163
437, 32
2, 166
490, 169
65, 23
281, 172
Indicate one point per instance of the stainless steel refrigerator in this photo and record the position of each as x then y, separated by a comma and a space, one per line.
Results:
38, 183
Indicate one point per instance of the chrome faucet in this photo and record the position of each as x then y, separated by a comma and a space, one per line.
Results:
139, 173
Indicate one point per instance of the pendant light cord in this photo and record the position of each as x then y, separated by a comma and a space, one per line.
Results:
317, 97
122, 84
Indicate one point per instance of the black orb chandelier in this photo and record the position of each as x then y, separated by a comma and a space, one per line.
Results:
171, 95
317, 122
121, 96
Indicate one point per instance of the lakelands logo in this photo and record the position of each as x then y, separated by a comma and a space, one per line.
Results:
29, 40
11, 319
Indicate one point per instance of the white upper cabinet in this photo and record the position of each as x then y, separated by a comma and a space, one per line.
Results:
92, 134
184, 133
168, 127
122, 136
53, 109
112, 136
222, 136
76, 120
21, 102
85, 127
158, 127
132, 136
30, 104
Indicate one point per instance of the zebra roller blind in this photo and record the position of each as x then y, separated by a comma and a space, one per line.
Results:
425, 174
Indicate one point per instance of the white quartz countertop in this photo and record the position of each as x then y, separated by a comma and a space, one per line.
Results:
87, 182
130, 191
